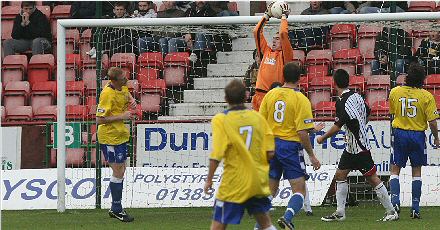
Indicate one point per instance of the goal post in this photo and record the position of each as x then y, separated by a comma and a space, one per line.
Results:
64, 24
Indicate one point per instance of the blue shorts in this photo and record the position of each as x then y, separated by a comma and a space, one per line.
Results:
115, 153
408, 144
231, 213
288, 161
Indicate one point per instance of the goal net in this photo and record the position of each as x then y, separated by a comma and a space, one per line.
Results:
177, 70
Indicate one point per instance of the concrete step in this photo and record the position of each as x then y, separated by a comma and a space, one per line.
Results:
235, 57
241, 44
213, 82
196, 110
185, 118
228, 70
205, 95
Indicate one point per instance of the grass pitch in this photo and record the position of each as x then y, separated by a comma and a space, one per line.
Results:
363, 216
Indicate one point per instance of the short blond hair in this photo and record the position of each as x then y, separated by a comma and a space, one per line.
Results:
114, 72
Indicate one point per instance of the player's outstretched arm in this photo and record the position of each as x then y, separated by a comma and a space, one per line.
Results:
260, 40
434, 130
123, 116
333, 130
305, 141
213, 164
286, 46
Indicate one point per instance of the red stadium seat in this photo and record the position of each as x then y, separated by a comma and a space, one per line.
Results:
318, 63
88, 62
59, 12
299, 57
73, 66
151, 96
366, 48
74, 92
149, 66
320, 89
378, 87
40, 68
8, 15
19, 113
74, 157
43, 94
380, 110
46, 113
368, 31
91, 115
2, 113
325, 110
72, 41
76, 112
89, 79
421, 6
304, 84
146, 74
16, 94
14, 68
357, 83
401, 79
176, 68
84, 44
126, 61
342, 36
432, 84
347, 59
133, 87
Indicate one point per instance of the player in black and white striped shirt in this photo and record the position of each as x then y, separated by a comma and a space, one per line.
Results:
352, 114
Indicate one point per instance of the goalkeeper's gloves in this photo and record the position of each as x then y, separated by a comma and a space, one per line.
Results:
286, 10
268, 13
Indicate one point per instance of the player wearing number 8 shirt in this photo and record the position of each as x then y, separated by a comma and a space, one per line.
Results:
244, 142
412, 107
289, 114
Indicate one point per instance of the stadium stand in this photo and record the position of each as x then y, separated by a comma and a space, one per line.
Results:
318, 63
58, 12
40, 68
14, 68
16, 94
342, 36
378, 87
422, 6
349, 60
176, 68
8, 15
43, 94
21, 113
320, 89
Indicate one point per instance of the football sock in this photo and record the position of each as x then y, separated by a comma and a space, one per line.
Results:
116, 186
382, 195
341, 196
307, 206
395, 189
294, 206
416, 193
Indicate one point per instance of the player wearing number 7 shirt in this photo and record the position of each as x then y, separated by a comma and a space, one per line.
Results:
289, 114
413, 108
244, 142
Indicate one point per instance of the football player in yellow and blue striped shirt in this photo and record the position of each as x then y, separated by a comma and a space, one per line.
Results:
289, 114
244, 142
113, 108
413, 109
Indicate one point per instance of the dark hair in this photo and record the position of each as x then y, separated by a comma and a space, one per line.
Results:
275, 85
28, 3
416, 75
123, 4
235, 92
291, 72
341, 78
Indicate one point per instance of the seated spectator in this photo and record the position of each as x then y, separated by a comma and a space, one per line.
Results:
200, 9
221, 8
146, 42
116, 40
169, 41
341, 7
310, 38
382, 7
428, 53
382, 51
83, 9
31, 30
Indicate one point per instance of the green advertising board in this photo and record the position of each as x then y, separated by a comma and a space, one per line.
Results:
73, 135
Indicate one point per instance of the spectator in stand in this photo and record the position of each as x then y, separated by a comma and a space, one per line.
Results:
117, 40
83, 9
311, 38
171, 41
250, 79
201, 41
382, 7
146, 42
428, 53
339, 7
383, 52
31, 30
221, 8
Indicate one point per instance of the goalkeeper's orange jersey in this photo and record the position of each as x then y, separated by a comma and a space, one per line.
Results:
272, 62
241, 138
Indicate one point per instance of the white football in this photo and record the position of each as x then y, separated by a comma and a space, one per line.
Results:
277, 9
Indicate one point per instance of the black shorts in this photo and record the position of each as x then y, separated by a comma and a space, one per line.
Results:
361, 161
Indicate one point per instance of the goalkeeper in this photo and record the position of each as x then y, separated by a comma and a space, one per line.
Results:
272, 57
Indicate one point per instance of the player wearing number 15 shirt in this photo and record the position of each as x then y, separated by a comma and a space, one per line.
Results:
289, 114
244, 142
413, 108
